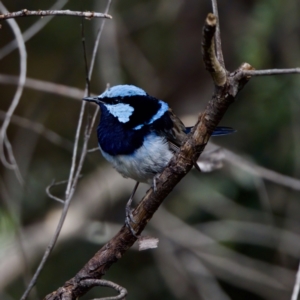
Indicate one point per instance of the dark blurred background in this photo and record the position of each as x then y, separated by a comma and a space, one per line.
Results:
228, 234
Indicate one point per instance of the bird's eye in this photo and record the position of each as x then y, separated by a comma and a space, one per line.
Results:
115, 101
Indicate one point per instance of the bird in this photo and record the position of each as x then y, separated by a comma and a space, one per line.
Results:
139, 134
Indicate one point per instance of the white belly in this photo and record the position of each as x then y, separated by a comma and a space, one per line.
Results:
145, 162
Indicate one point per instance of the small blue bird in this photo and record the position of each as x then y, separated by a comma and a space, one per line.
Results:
138, 134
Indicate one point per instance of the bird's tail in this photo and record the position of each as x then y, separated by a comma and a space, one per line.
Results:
220, 130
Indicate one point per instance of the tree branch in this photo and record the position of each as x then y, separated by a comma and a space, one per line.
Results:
31, 31
4, 142
45, 86
210, 59
218, 34
43, 13
270, 72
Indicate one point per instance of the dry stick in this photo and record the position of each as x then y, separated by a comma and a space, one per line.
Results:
42, 13
74, 156
23, 69
256, 170
89, 283
178, 167
270, 72
84, 103
97, 42
49, 194
40, 129
69, 191
32, 30
235, 265
218, 34
45, 86
212, 64
12, 159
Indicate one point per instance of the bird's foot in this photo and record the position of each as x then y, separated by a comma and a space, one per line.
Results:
130, 219
128, 212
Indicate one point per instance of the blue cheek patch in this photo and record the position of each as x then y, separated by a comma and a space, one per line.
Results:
120, 111
123, 91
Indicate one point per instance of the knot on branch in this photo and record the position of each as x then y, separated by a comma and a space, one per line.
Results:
25, 12
239, 78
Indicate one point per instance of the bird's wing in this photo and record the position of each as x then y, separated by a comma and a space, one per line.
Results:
177, 134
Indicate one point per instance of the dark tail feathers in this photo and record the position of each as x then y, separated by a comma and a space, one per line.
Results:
220, 130
223, 131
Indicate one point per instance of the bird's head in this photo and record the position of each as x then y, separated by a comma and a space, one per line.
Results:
130, 105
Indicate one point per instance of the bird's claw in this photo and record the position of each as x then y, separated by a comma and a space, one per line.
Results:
128, 212
130, 219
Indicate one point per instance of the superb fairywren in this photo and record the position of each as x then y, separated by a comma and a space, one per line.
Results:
138, 133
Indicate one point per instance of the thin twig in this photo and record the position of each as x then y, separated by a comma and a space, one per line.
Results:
83, 104
93, 149
270, 72
43, 13
12, 160
32, 30
218, 34
214, 160
49, 194
45, 86
100, 282
235, 265
260, 171
72, 182
40, 129
73, 179
67, 203
84, 148
49, 248
75, 149
23, 69
97, 41
87, 80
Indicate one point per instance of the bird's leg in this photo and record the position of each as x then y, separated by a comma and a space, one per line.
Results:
128, 211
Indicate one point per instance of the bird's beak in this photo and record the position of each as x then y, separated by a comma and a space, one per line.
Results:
91, 99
